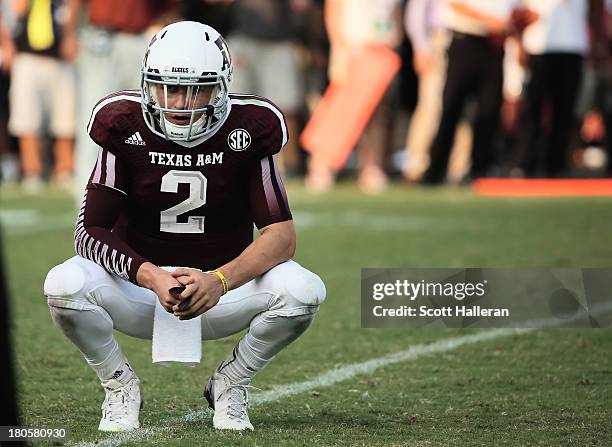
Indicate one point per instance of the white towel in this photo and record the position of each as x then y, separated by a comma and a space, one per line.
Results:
174, 340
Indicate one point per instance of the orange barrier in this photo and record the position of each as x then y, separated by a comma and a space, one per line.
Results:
543, 187
345, 109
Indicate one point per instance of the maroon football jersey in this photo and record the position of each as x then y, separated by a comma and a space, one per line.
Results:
189, 204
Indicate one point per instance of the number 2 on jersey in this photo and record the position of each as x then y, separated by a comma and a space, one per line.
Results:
197, 197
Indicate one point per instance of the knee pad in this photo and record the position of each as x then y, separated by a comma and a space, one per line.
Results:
306, 287
298, 291
64, 286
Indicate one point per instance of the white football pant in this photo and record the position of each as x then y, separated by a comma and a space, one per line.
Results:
87, 302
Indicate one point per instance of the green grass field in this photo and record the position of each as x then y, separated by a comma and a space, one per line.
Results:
544, 387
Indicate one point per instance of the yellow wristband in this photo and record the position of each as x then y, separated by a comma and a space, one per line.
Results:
223, 280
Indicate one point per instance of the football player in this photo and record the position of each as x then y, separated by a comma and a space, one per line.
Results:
184, 171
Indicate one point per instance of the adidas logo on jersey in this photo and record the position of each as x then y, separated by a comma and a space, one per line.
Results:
136, 140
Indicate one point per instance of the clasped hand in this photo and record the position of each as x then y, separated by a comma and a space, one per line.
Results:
202, 291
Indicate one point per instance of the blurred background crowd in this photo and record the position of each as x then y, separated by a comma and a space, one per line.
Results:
418, 91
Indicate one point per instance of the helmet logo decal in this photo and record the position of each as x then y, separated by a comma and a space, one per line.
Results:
146, 56
238, 140
227, 60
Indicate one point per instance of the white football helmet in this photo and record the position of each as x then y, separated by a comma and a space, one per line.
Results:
193, 55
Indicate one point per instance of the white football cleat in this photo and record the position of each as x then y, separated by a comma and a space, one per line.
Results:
121, 406
229, 401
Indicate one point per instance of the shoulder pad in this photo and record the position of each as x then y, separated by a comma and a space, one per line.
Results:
109, 113
265, 120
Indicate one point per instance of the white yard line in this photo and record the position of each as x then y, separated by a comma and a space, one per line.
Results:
27, 221
325, 379
17, 222
16, 216
378, 222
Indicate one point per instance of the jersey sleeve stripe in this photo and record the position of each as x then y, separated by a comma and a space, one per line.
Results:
98, 172
268, 187
110, 170
278, 189
280, 184
105, 172
274, 190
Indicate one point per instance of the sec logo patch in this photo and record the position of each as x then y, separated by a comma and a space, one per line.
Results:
239, 139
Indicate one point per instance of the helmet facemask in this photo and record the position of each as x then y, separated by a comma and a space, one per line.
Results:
198, 112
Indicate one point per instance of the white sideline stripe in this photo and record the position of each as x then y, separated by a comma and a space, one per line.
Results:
325, 379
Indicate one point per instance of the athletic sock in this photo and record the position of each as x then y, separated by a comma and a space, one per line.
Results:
266, 337
242, 364
123, 374
115, 366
